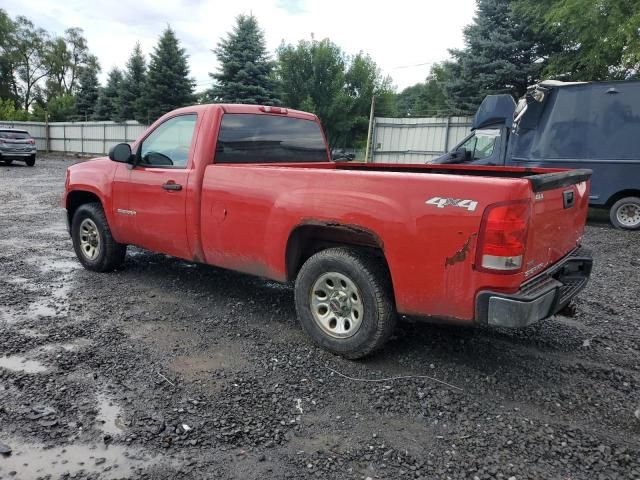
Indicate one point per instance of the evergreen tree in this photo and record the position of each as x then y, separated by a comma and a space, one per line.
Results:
132, 88
600, 39
168, 85
245, 67
107, 106
87, 96
503, 54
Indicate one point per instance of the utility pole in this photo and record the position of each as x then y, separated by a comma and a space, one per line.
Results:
46, 131
373, 108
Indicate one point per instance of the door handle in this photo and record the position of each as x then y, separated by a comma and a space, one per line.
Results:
171, 186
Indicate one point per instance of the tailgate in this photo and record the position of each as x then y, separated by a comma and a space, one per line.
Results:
560, 205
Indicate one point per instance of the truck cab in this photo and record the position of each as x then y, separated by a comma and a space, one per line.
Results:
566, 125
488, 140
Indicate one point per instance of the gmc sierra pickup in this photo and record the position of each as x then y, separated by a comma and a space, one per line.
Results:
253, 189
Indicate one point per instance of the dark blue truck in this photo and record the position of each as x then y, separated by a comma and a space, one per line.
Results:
593, 125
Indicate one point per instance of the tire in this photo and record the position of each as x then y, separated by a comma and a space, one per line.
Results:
346, 327
31, 161
625, 213
92, 240
8, 161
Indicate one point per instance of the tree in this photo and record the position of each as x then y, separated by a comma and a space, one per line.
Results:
245, 68
428, 98
8, 111
107, 106
66, 58
87, 96
132, 88
62, 108
503, 53
168, 85
8, 84
600, 39
318, 77
29, 50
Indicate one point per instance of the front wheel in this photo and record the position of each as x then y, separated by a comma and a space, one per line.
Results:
344, 301
625, 213
8, 161
92, 240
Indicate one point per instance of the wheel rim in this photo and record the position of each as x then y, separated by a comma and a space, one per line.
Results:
628, 214
89, 239
336, 305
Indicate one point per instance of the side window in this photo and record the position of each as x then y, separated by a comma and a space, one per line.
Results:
169, 144
251, 138
486, 143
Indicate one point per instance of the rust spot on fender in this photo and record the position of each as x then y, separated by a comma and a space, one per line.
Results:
461, 254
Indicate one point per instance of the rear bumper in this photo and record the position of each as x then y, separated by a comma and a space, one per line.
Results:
538, 298
16, 155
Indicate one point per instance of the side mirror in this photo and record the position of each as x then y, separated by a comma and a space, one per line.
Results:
120, 153
460, 155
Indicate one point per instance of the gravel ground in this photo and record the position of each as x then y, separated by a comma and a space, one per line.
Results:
167, 369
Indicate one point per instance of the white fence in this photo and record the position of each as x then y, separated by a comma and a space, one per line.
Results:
395, 140
94, 138
416, 140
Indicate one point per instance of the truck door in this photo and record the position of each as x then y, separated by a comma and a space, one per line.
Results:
158, 187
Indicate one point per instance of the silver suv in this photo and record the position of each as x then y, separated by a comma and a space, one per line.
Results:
17, 145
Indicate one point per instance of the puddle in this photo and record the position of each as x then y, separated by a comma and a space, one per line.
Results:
41, 308
22, 364
7, 316
54, 305
227, 358
30, 332
25, 282
77, 344
64, 265
109, 417
113, 461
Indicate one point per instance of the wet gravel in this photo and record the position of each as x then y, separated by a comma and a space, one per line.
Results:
167, 369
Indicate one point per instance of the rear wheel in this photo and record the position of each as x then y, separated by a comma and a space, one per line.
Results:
31, 161
625, 213
8, 161
92, 241
344, 301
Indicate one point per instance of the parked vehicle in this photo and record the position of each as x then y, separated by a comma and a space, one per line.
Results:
17, 145
252, 189
566, 125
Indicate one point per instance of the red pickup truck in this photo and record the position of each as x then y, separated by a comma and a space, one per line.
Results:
253, 189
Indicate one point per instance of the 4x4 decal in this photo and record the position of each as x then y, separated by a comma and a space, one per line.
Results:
441, 202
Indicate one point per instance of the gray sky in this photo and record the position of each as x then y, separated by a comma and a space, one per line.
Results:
402, 36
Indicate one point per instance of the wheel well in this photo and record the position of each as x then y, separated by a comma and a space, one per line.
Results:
307, 240
77, 198
622, 194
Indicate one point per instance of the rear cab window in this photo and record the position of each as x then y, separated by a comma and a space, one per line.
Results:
253, 138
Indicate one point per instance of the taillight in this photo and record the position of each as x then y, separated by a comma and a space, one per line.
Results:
32, 141
503, 236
